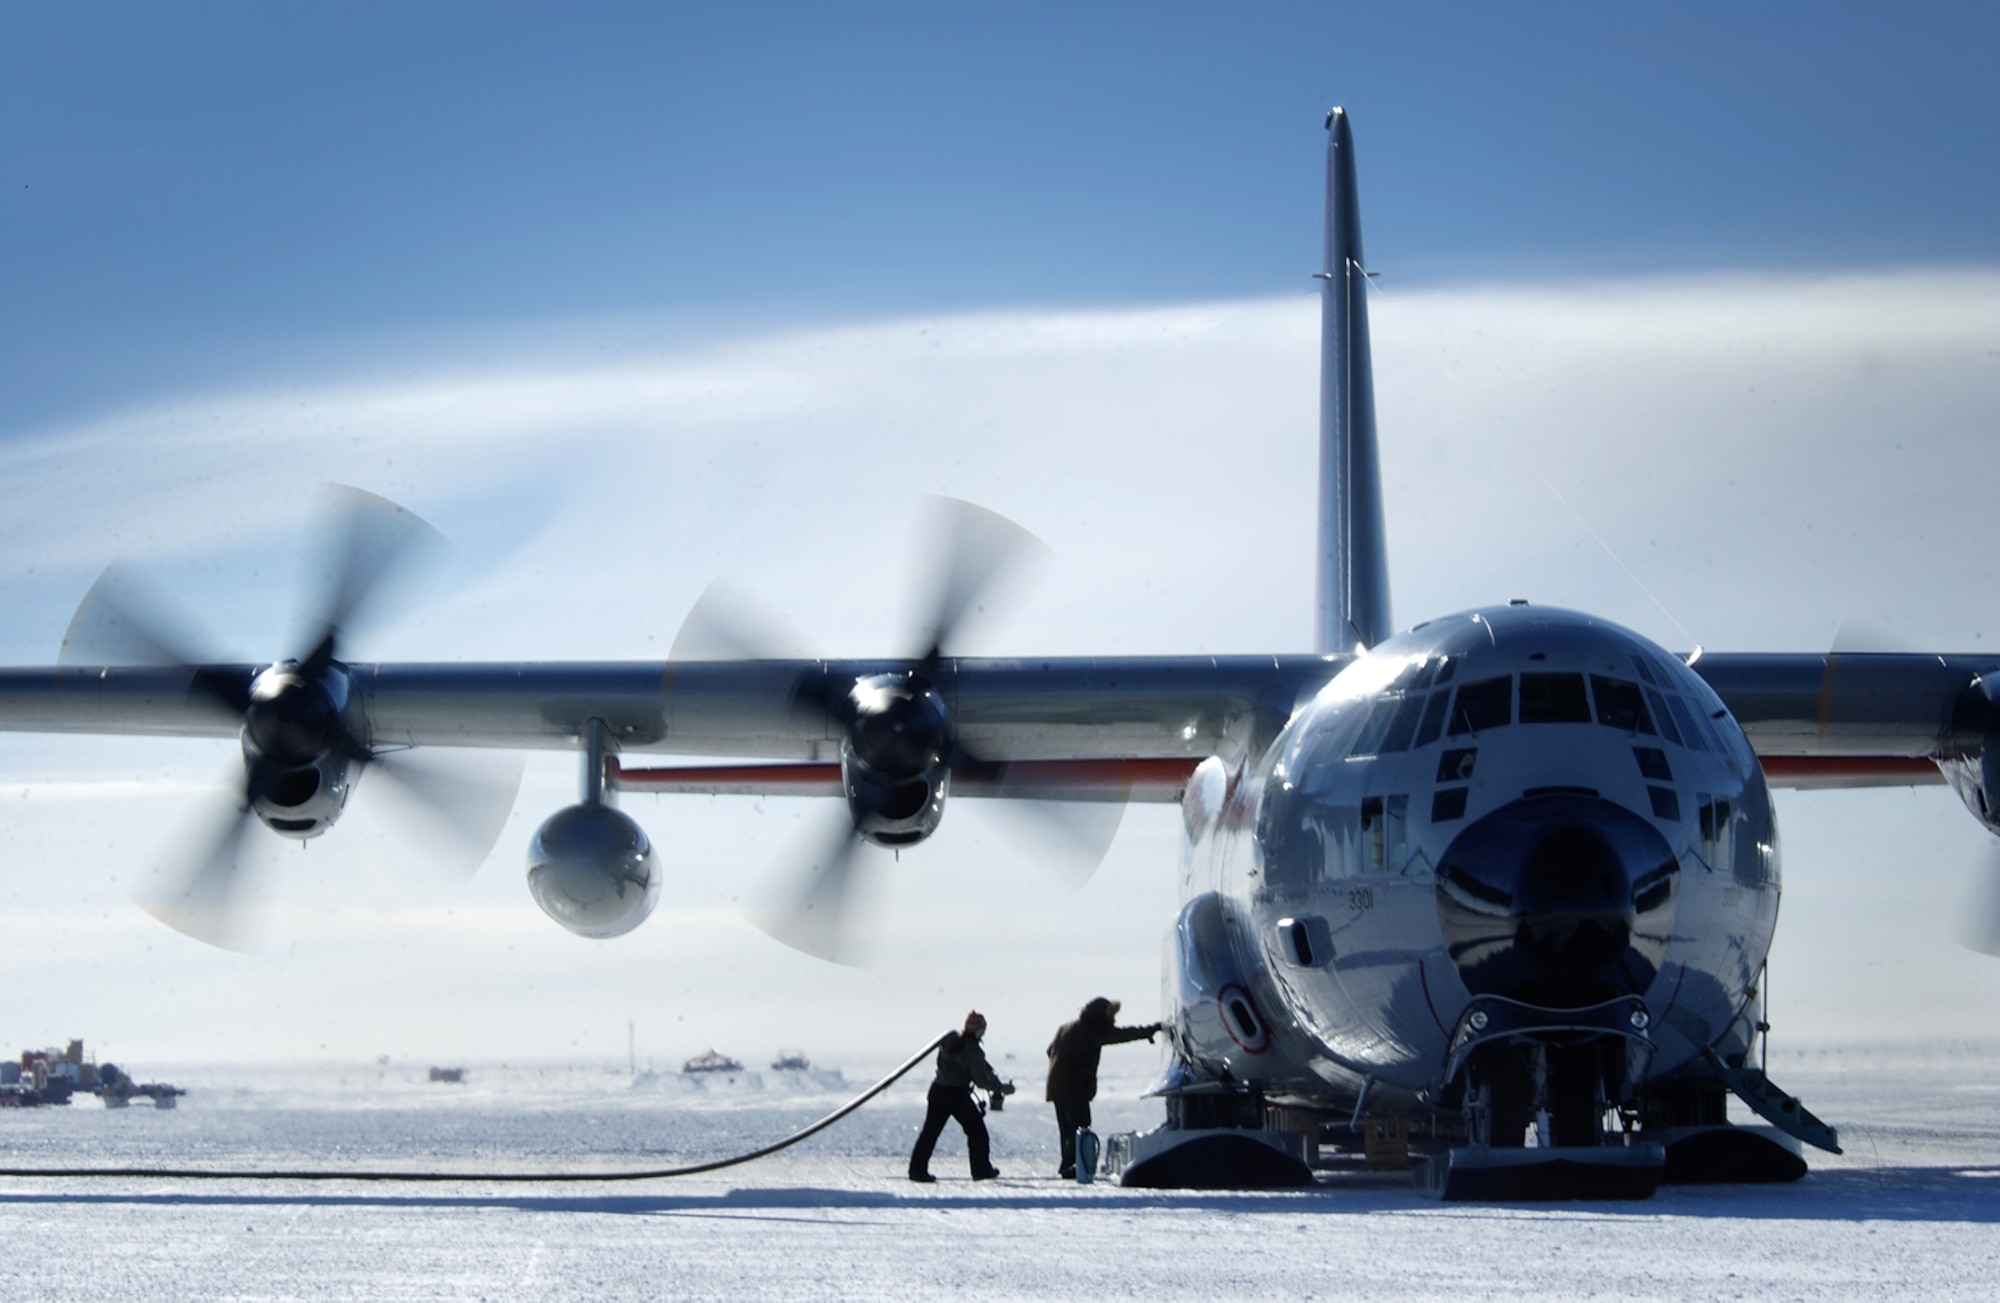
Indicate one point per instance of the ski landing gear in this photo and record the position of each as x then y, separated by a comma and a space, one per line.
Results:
1689, 1115
1535, 1086
1214, 1138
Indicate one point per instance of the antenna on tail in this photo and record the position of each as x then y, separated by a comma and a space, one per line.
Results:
1352, 602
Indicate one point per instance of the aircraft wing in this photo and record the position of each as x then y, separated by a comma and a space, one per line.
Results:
1860, 719
1079, 719
1826, 720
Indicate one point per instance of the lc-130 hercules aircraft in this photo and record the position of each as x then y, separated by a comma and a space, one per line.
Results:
1491, 896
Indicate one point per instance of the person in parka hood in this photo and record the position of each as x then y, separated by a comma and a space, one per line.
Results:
1073, 1058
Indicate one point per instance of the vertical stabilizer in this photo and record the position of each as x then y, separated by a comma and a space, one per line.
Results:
1352, 605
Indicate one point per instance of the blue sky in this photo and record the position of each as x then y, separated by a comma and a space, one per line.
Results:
217, 189
1689, 317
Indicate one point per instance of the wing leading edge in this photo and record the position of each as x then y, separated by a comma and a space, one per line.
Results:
1836, 719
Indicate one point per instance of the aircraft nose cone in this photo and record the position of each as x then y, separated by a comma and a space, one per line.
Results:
1560, 900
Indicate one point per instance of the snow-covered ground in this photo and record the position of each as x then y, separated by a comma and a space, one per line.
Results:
1912, 1209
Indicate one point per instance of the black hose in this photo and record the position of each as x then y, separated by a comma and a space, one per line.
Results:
209, 1174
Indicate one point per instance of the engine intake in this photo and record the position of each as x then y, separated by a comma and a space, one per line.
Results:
296, 755
1976, 778
895, 758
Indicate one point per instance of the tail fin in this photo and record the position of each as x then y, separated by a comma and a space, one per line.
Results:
1352, 608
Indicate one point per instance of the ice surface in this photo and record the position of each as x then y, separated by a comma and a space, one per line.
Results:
1910, 1210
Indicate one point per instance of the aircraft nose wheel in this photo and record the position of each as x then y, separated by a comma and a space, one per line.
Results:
1558, 1087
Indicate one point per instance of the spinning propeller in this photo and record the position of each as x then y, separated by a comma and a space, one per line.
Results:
303, 747
900, 748
1977, 926
1979, 916
1979, 920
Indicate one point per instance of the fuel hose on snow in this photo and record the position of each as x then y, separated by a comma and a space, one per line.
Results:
337, 1174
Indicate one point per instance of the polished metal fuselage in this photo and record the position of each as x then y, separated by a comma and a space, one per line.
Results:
1320, 870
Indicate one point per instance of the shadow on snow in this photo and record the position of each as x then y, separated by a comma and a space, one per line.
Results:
1916, 1194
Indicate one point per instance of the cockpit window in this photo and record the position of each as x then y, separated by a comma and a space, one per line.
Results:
1664, 716
1620, 705
1691, 731
1484, 704
1447, 666
1369, 740
1403, 723
1433, 723
1639, 664
1554, 699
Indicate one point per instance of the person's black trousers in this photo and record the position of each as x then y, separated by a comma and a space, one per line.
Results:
1070, 1114
953, 1102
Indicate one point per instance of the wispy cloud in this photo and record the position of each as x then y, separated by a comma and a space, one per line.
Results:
1770, 456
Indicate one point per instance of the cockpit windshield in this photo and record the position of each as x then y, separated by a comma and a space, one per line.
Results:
1483, 704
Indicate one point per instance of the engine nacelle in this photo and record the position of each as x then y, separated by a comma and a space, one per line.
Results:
297, 770
592, 869
895, 761
1976, 778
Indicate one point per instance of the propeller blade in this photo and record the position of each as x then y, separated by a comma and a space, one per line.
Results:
1859, 637
724, 625
203, 896
975, 547
811, 914
1077, 834
125, 620
1075, 830
459, 799
369, 541
1979, 919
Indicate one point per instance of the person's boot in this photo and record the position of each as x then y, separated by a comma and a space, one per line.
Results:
922, 1178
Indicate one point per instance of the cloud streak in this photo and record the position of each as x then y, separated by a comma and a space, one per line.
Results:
1769, 455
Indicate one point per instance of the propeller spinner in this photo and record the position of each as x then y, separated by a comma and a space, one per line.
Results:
303, 744
900, 747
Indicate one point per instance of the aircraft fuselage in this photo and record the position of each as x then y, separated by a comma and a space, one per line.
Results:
1519, 803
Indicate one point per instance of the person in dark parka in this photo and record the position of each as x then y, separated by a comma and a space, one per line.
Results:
1073, 1056
961, 1065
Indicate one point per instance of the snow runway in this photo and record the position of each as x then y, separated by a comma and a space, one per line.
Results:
1912, 1209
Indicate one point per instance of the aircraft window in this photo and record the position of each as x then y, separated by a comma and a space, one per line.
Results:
1403, 723
1487, 703
1645, 670
1666, 720
1666, 805
1447, 804
1423, 679
1690, 730
1620, 704
1396, 834
1455, 766
1433, 724
1717, 826
1369, 740
1384, 832
1411, 676
1446, 668
1554, 699
1653, 763
1371, 834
